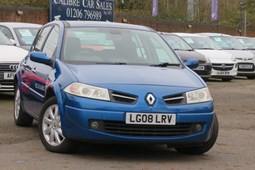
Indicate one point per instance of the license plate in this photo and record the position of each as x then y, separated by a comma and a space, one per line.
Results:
223, 72
200, 68
9, 76
150, 118
245, 66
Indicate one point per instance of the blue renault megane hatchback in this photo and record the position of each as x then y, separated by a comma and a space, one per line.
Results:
112, 82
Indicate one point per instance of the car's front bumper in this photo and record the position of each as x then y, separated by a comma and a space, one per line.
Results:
244, 70
76, 124
6, 86
224, 71
204, 70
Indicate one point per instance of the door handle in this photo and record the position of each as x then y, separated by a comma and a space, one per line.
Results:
34, 70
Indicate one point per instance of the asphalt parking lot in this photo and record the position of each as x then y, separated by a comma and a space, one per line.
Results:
20, 148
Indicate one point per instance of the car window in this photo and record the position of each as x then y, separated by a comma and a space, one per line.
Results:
176, 42
198, 42
26, 35
115, 45
6, 32
228, 42
247, 42
41, 38
51, 42
4, 40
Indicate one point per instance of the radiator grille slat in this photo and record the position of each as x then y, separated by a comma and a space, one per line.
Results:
121, 128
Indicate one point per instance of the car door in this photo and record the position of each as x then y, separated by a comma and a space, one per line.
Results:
37, 74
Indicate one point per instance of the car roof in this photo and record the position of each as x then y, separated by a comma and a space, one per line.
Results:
105, 24
167, 33
213, 34
181, 34
20, 24
242, 37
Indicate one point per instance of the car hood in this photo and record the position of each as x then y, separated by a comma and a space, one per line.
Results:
241, 54
134, 75
10, 53
190, 54
217, 56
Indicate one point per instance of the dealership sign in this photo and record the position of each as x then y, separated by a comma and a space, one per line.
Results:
94, 10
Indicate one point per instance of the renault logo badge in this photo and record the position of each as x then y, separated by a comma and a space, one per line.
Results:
150, 99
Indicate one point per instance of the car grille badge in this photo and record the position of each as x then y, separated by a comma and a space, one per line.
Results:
150, 99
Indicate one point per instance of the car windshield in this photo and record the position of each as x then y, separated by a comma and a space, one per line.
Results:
176, 42
26, 36
116, 46
247, 42
228, 42
4, 40
201, 43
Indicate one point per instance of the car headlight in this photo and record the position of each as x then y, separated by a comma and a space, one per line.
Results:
84, 90
198, 96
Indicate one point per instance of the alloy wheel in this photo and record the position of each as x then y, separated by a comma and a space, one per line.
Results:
51, 126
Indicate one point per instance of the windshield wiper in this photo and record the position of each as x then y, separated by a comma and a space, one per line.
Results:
231, 49
178, 49
205, 48
165, 64
117, 63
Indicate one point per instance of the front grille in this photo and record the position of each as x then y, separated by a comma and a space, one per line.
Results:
223, 67
121, 128
201, 62
174, 99
123, 97
6, 68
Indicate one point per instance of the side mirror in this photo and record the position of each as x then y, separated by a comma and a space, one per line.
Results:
40, 57
13, 42
191, 63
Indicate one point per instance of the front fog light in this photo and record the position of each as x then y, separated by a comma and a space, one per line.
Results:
94, 125
198, 127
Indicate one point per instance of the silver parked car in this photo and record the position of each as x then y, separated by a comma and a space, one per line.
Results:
248, 42
20, 34
244, 58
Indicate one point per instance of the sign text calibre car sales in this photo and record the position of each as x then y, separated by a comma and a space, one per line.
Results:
96, 10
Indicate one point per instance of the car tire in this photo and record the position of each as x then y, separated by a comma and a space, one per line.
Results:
206, 146
226, 79
205, 79
21, 118
250, 77
50, 129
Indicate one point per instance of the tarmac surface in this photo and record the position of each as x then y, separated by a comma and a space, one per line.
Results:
21, 148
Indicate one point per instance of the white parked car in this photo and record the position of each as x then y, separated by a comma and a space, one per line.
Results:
248, 42
224, 65
20, 34
244, 58
9, 62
